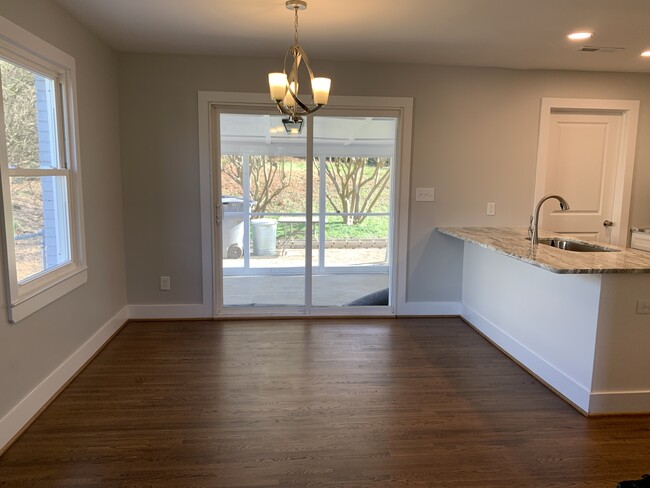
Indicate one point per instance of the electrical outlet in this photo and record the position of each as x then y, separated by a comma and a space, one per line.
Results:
491, 208
643, 306
424, 194
165, 283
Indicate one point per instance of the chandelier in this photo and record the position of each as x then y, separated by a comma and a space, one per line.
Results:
284, 88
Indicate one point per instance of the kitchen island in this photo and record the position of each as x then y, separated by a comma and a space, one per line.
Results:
577, 320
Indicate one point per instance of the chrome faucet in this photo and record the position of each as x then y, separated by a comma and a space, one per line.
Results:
533, 228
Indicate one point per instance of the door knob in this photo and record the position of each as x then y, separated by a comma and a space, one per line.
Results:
608, 223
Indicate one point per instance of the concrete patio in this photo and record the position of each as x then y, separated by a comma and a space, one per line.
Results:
289, 290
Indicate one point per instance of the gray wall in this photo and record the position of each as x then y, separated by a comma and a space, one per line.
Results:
475, 140
33, 348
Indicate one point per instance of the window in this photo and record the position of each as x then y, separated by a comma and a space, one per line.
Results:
41, 197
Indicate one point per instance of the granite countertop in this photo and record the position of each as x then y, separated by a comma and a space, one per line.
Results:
512, 242
640, 229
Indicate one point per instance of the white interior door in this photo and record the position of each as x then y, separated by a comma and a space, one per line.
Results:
586, 153
583, 157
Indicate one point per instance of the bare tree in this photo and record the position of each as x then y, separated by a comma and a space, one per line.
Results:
356, 189
19, 103
269, 176
21, 133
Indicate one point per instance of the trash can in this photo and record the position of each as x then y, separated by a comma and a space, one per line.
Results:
264, 236
232, 227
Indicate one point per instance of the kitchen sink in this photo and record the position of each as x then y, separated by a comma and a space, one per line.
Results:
576, 246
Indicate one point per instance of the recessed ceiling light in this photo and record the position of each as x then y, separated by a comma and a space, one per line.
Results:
580, 36
646, 54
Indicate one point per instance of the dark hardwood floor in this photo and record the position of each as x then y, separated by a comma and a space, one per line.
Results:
336, 403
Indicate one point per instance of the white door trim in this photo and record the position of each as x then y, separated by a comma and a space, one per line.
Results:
629, 109
404, 105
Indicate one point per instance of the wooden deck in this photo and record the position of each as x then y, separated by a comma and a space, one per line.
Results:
329, 403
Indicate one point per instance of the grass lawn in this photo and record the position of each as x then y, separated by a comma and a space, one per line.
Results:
335, 228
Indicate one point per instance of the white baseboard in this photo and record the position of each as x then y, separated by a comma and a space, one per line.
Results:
556, 379
163, 311
199, 311
428, 308
619, 402
23, 413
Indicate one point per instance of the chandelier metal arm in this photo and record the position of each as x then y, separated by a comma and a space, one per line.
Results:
295, 113
298, 54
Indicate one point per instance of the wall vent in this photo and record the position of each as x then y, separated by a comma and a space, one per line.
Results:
599, 49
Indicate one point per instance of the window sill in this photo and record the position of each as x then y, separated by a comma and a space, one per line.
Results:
46, 295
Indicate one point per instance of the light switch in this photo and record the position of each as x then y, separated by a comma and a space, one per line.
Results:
424, 194
491, 208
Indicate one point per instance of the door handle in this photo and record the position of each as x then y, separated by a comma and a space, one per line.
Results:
608, 223
219, 216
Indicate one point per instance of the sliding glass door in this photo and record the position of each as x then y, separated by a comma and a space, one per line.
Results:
262, 182
352, 190
304, 221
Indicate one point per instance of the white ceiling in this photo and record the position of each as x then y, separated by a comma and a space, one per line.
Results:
501, 33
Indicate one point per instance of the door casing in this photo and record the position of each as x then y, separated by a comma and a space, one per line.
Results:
207, 100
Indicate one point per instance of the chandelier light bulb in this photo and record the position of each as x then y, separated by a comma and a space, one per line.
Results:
289, 101
278, 85
321, 90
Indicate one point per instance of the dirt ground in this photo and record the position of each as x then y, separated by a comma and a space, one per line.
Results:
29, 258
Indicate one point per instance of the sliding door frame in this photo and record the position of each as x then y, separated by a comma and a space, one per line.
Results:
208, 151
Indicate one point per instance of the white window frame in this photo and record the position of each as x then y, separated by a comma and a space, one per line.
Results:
25, 49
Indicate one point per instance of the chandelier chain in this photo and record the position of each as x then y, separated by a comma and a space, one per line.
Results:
295, 25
